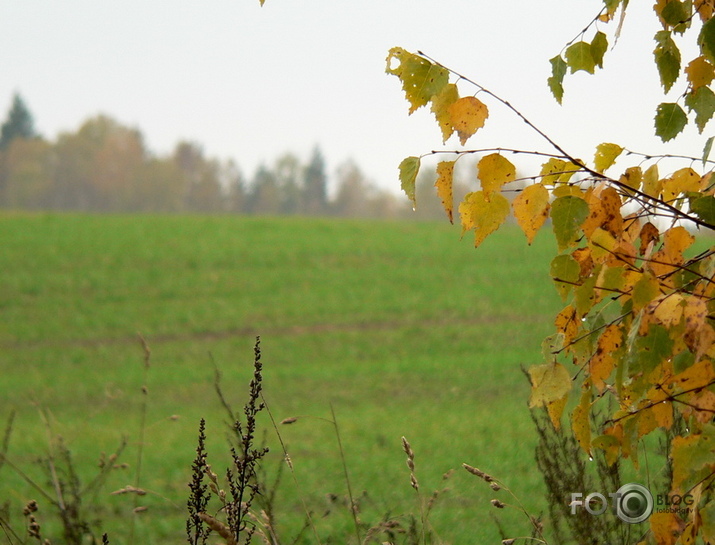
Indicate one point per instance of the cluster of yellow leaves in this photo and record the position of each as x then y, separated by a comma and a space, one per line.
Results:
635, 338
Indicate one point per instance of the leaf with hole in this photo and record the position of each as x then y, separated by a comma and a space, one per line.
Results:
421, 79
606, 155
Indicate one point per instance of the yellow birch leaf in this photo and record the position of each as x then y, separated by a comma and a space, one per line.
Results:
698, 375
445, 172
531, 209
602, 363
668, 309
484, 213
549, 382
495, 170
552, 170
602, 245
632, 177
700, 72
606, 155
610, 445
580, 421
646, 422
468, 115
611, 203
596, 214
703, 406
569, 169
675, 242
652, 185
556, 409
682, 181
567, 322
706, 11
689, 533
665, 527
648, 235
441, 103
661, 408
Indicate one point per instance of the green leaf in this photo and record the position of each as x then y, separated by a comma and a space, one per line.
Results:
606, 155
706, 150
704, 208
421, 79
568, 214
667, 59
702, 102
670, 120
556, 81
706, 39
579, 57
675, 13
409, 168
650, 350
565, 267
692, 454
599, 46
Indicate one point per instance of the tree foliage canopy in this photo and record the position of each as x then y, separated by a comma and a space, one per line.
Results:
19, 123
634, 343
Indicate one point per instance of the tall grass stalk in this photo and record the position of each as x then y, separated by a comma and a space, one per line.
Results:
142, 430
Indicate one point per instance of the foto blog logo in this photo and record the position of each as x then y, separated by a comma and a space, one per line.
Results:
632, 503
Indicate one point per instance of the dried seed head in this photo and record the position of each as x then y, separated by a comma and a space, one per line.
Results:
33, 529
140, 509
414, 483
494, 486
411, 464
31, 507
498, 504
407, 448
508, 541
289, 420
289, 461
473, 470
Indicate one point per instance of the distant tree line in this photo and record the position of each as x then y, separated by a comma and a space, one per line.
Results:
105, 166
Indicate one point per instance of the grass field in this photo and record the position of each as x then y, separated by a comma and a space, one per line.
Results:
401, 327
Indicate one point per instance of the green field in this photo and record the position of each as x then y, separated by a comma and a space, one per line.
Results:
402, 327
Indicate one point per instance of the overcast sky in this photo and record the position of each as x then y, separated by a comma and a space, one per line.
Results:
251, 83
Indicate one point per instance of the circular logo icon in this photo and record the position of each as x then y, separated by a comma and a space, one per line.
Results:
634, 503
